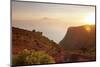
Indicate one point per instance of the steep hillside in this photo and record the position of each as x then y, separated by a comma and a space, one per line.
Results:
32, 40
78, 37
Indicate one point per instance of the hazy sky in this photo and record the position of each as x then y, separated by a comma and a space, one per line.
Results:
51, 19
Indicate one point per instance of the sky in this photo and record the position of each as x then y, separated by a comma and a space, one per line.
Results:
51, 19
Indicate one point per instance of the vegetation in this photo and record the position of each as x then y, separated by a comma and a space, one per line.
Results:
39, 57
32, 57
20, 59
33, 30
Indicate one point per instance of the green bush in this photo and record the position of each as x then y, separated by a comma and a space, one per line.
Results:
20, 59
39, 57
32, 57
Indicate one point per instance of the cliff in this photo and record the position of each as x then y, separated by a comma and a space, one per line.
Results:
80, 37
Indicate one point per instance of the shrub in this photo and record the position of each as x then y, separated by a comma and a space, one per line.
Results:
32, 57
39, 57
20, 59
33, 30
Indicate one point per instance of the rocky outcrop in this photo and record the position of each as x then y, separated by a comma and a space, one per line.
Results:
80, 37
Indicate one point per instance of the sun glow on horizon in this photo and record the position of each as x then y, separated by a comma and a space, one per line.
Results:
87, 28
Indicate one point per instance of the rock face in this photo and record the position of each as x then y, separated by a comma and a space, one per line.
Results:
32, 40
80, 37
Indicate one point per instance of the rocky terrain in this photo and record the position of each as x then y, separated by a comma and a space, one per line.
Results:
32, 40
81, 40
77, 37
79, 44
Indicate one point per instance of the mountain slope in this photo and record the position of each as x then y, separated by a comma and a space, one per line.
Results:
80, 37
32, 40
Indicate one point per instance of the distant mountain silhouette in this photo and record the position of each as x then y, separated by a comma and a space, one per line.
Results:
34, 40
80, 37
